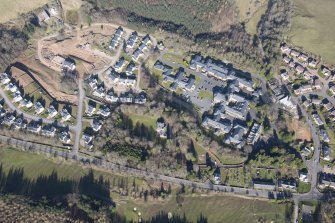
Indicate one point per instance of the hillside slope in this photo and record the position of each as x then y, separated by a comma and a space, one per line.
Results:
313, 27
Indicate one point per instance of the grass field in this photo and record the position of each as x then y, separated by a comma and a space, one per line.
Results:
251, 25
35, 165
217, 209
231, 159
313, 27
173, 58
206, 94
10, 9
145, 119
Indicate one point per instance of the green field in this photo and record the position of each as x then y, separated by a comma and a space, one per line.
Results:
203, 94
173, 58
147, 120
313, 27
35, 165
217, 208
10, 9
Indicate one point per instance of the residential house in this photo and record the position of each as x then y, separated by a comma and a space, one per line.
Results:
285, 76
130, 68
299, 69
317, 119
104, 111
328, 106
287, 185
159, 65
132, 40
303, 57
100, 92
288, 103
146, 40
4, 78
52, 112
287, 59
17, 97
12, 87
236, 106
140, 99
90, 110
161, 129
219, 97
126, 98
332, 89
66, 116
254, 133
180, 80
93, 83
236, 136
317, 85
324, 135
64, 137
295, 53
312, 63
220, 127
49, 130
303, 176
96, 124
326, 180
316, 101
245, 84
9, 119
120, 64
137, 54
116, 38
20, 123
307, 75
217, 176
26, 103
307, 103
285, 49
326, 72
306, 151
87, 138
2, 113
326, 153
38, 107
34, 127
68, 65
43, 16
111, 97
291, 64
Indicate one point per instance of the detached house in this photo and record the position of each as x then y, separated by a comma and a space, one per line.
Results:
4, 78
39, 107
26, 103
17, 97
96, 124
66, 116
90, 110
34, 127
64, 137
49, 130
111, 97
161, 129
52, 112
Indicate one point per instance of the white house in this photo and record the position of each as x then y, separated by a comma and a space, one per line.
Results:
4, 78
52, 111
39, 107
65, 115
